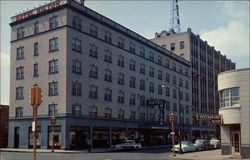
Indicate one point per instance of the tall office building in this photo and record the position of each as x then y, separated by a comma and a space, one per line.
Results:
96, 76
206, 64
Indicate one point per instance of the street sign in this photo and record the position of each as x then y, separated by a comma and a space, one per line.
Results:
33, 126
172, 133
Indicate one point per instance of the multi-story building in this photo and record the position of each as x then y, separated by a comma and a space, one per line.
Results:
206, 64
234, 90
96, 76
4, 120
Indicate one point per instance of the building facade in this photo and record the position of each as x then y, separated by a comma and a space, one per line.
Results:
4, 121
206, 64
96, 76
234, 89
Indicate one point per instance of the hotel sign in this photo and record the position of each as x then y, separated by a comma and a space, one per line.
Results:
39, 10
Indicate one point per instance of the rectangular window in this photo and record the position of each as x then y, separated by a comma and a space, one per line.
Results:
121, 114
132, 65
108, 37
174, 107
142, 116
132, 47
76, 67
19, 112
132, 82
77, 23
132, 115
93, 30
159, 74
151, 72
93, 111
19, 93
174, 66
53, 22
53, 66
172, 47
168, 106
107, 94
186, 97
151, 87
20, 32
35, 73
93, 72
53, 45
20, 73
142, 101
107, 112
120, 79
167, 91
167, 63
93, 92
182, 45
160, 89
76, 110
186, 85
108, 75
142, 85
180, 83
93, 51
229, 97
159, 60
142, 68
108, 56
120, 42
132, 99
52, 108
36, 27
120, 61
167, 77
151, 56
36, 49
76, 45
76, 89
120, 98
174, 93
20, 53
174, 80
53, 89
142, 52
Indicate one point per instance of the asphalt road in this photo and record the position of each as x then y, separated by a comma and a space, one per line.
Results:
152, 154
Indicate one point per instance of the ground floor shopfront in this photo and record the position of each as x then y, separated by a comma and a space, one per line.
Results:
79, 133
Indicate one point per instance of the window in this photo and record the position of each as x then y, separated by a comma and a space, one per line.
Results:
180, 95
167, 91
107, 94
108, 75
152, 117
36, 27
132, 47
76, 110
187, 109
93, 51
174, 66
168, 106
132, 115
107, 112
151, 72
172, 47
167, 77
174, 107
93, 72
20, 33
142, 116
159, 74
76, 45
180, 68
186, 71
132, 82
120, 61
159, 60
142, 52
151, 87
108, 37
151, 56
120, 42
93, 92
76, 89
53, 45
52, 109
93, 111
108, 56
142, 68
142, 101
76, 67
167, 63
19, 93
186, 97
120, 98
36, 49
19, 112
77, 23
180, 83
174, 80
53, 88
186, 85
174, 93
132, 65
35, 70
120, 78
142, 85
20, 73
132, 99
160, 89
53, 22
229, 97
182, 45
121, 114
53, 66
20, 53
93, 30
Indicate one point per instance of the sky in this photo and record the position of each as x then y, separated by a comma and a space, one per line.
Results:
223, 24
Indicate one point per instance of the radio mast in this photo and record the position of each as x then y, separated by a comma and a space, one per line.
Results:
174, 17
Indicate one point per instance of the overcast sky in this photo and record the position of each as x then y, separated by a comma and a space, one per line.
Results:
223, 24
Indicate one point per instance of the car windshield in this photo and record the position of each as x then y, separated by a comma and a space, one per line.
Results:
185, 142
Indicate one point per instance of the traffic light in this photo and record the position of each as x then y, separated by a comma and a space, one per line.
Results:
53, 120
32, 96
171, 117
38, 96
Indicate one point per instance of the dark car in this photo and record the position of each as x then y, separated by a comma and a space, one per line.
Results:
203, 144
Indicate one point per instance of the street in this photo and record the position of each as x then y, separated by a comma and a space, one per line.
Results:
152, 154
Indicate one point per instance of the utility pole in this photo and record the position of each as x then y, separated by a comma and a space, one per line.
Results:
171, 118
35, 101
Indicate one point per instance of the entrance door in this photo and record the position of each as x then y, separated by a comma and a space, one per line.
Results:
235, 142
16, 137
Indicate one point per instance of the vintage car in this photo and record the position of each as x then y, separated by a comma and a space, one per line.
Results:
203, 144
126, 145
186, 146
215, 143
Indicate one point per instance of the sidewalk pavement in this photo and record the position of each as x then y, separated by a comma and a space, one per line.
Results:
94, 150
206, 155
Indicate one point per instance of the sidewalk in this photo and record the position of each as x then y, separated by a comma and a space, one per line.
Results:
205, 155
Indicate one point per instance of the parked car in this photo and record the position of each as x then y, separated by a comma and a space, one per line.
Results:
215, 143
186, 146
126, 145
203, 144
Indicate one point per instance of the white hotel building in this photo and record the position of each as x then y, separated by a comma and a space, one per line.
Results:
96, 76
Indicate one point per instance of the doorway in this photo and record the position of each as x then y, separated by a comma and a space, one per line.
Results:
235, 143
16, 137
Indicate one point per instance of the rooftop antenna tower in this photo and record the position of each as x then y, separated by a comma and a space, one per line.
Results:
174, 18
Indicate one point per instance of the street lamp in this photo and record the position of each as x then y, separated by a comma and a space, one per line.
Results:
180, 123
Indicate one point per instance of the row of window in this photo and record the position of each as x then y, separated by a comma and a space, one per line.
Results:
172, 46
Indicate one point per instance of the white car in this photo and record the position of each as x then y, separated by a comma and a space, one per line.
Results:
215, 143
126, 145
186, 146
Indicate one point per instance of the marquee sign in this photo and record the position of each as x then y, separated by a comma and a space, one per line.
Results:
154, 102
215, 119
